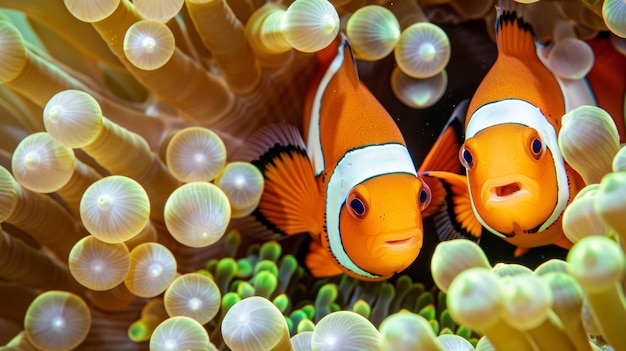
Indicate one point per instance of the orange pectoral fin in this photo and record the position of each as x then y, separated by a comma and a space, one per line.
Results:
320, 262
453, 214
444, 155
290, 203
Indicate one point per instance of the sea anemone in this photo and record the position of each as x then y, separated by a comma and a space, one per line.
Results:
197, 214
243, 185
152, 269
98, 265
589, 141
40, 164
423, 50
546, 307
569, 57
407, 331
179, 333
255, 323
195, 154
373, 42
149, 44
57, 320
193, 295
598, 264
115, 209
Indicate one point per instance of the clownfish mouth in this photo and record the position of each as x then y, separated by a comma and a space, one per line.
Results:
506, 191
400, 242
396, 243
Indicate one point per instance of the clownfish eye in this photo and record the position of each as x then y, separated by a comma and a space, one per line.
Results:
357, 201
466, 157
424, 196
358, 207
537, 147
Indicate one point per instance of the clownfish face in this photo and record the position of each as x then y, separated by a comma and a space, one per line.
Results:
512, 178
381, 222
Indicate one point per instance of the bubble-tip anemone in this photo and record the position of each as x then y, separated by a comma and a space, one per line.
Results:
609, 203
115, 209
159, 10
302, 341
453, 342
580, 219
197, 214
89, 11
307, 25
40, 164
193, 295
569, 57
255, 323
475, 298
149, 44
407, 331
57, 321
373, 31
452, 257
98, 265
423, 50
418, 93
567, 304
179, 334
344, 331
527, 301
242, 183
619, 161
73, 118
589, 140
152, 269
614, 14
12, 52
598, 264
195, 154
322, 24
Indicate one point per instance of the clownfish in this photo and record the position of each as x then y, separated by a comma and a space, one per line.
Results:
516, 182
348, 179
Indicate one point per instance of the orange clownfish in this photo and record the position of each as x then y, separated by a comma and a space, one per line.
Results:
348, 180
517, 183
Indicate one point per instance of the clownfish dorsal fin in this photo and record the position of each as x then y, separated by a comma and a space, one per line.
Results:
443, 156
290, 203
514, 36
329, 56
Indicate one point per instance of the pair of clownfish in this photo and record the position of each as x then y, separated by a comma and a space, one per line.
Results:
349, 181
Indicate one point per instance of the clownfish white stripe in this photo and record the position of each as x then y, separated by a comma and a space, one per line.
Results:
517, 111
357, 166
314, 145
